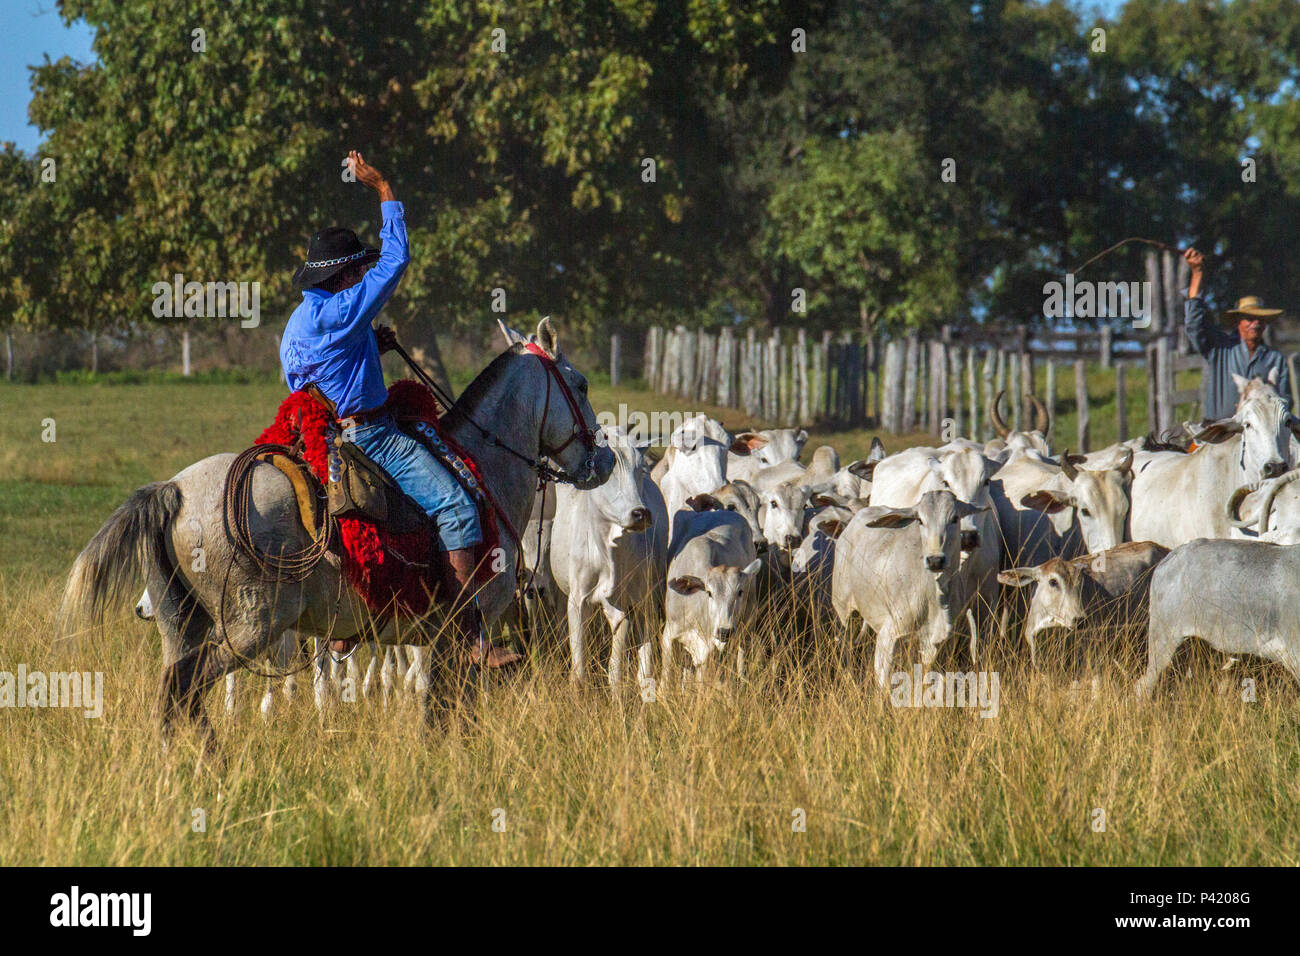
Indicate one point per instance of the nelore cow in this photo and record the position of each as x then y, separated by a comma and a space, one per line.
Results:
1180, 497
609, 553
1237, 596
1090, 596
711, 575
899, 569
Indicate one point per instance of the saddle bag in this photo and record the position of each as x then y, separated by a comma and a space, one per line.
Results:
363, 489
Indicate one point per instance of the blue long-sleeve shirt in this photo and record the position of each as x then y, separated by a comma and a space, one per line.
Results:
1225, 355
328, 340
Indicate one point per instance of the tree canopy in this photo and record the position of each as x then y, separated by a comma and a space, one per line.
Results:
636, 161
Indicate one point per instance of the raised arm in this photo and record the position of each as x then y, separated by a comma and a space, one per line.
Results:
359, 305
1201, 330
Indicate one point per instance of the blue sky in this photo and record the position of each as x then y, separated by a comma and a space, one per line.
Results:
31, 28
34, 28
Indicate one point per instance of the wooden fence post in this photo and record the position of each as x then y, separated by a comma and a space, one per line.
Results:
893, 395
614, 359
1050, 399
1081, 401
1121, 402
805, 387
909, 382
986, 377
972, 395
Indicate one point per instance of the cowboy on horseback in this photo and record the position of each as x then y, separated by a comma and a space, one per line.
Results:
330, 349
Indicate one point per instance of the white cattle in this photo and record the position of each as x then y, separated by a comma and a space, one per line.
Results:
1178, 498
1009, 444
609, 551
784, 508
711, 571
813, 562
897, 567
777, 445
1046, 510
697, 459
1237, 596
1094, 594
965, 471
541, 595
738, 496
1267, 511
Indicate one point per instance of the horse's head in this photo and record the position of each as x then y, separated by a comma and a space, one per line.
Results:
568, 433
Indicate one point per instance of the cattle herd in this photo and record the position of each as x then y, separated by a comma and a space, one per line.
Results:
1143, 544
1196, 534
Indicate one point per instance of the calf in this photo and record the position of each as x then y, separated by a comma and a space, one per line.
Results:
1090, 594
710, 581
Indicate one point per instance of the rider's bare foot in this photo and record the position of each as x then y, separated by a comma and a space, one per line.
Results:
343, 645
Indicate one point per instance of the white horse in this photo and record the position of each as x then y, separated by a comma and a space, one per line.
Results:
528, 404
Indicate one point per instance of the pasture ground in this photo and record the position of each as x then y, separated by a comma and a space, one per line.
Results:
1197, 777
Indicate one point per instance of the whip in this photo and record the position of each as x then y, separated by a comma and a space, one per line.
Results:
1123, 242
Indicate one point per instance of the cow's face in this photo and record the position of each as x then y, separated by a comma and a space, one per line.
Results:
1265, 435
783, 520
1100, 500
939, 515
966, 474
620, 499
725, 592
1058, 600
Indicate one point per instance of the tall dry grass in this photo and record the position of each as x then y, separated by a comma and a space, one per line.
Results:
711, 774
1198, 776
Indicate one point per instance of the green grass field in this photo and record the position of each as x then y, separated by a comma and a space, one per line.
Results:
568, 775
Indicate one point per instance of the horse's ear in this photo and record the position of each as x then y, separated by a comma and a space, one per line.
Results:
547, 338
512, 337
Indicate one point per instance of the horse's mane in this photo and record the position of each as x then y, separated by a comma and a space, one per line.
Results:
485, 381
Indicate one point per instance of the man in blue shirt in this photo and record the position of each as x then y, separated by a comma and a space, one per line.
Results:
329, 344
1236, 349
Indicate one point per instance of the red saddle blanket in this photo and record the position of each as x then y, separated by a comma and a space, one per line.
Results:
383, 566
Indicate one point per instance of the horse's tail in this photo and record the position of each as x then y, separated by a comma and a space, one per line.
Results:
131, 543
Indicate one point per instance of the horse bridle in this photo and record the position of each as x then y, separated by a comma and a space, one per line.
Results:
580, 432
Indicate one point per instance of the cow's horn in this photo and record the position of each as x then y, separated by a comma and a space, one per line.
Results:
1042, 420
1068, 469
1235, 501
999, 425
1266, 507
1126, 461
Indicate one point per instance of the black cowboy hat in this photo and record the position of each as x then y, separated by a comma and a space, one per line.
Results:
332, 250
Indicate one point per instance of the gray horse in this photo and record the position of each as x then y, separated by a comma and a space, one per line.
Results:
213, 610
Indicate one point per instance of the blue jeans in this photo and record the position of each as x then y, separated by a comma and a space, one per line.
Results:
422, 477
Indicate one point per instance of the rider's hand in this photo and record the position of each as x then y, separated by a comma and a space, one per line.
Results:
1196, 262
367, 175
386, 337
